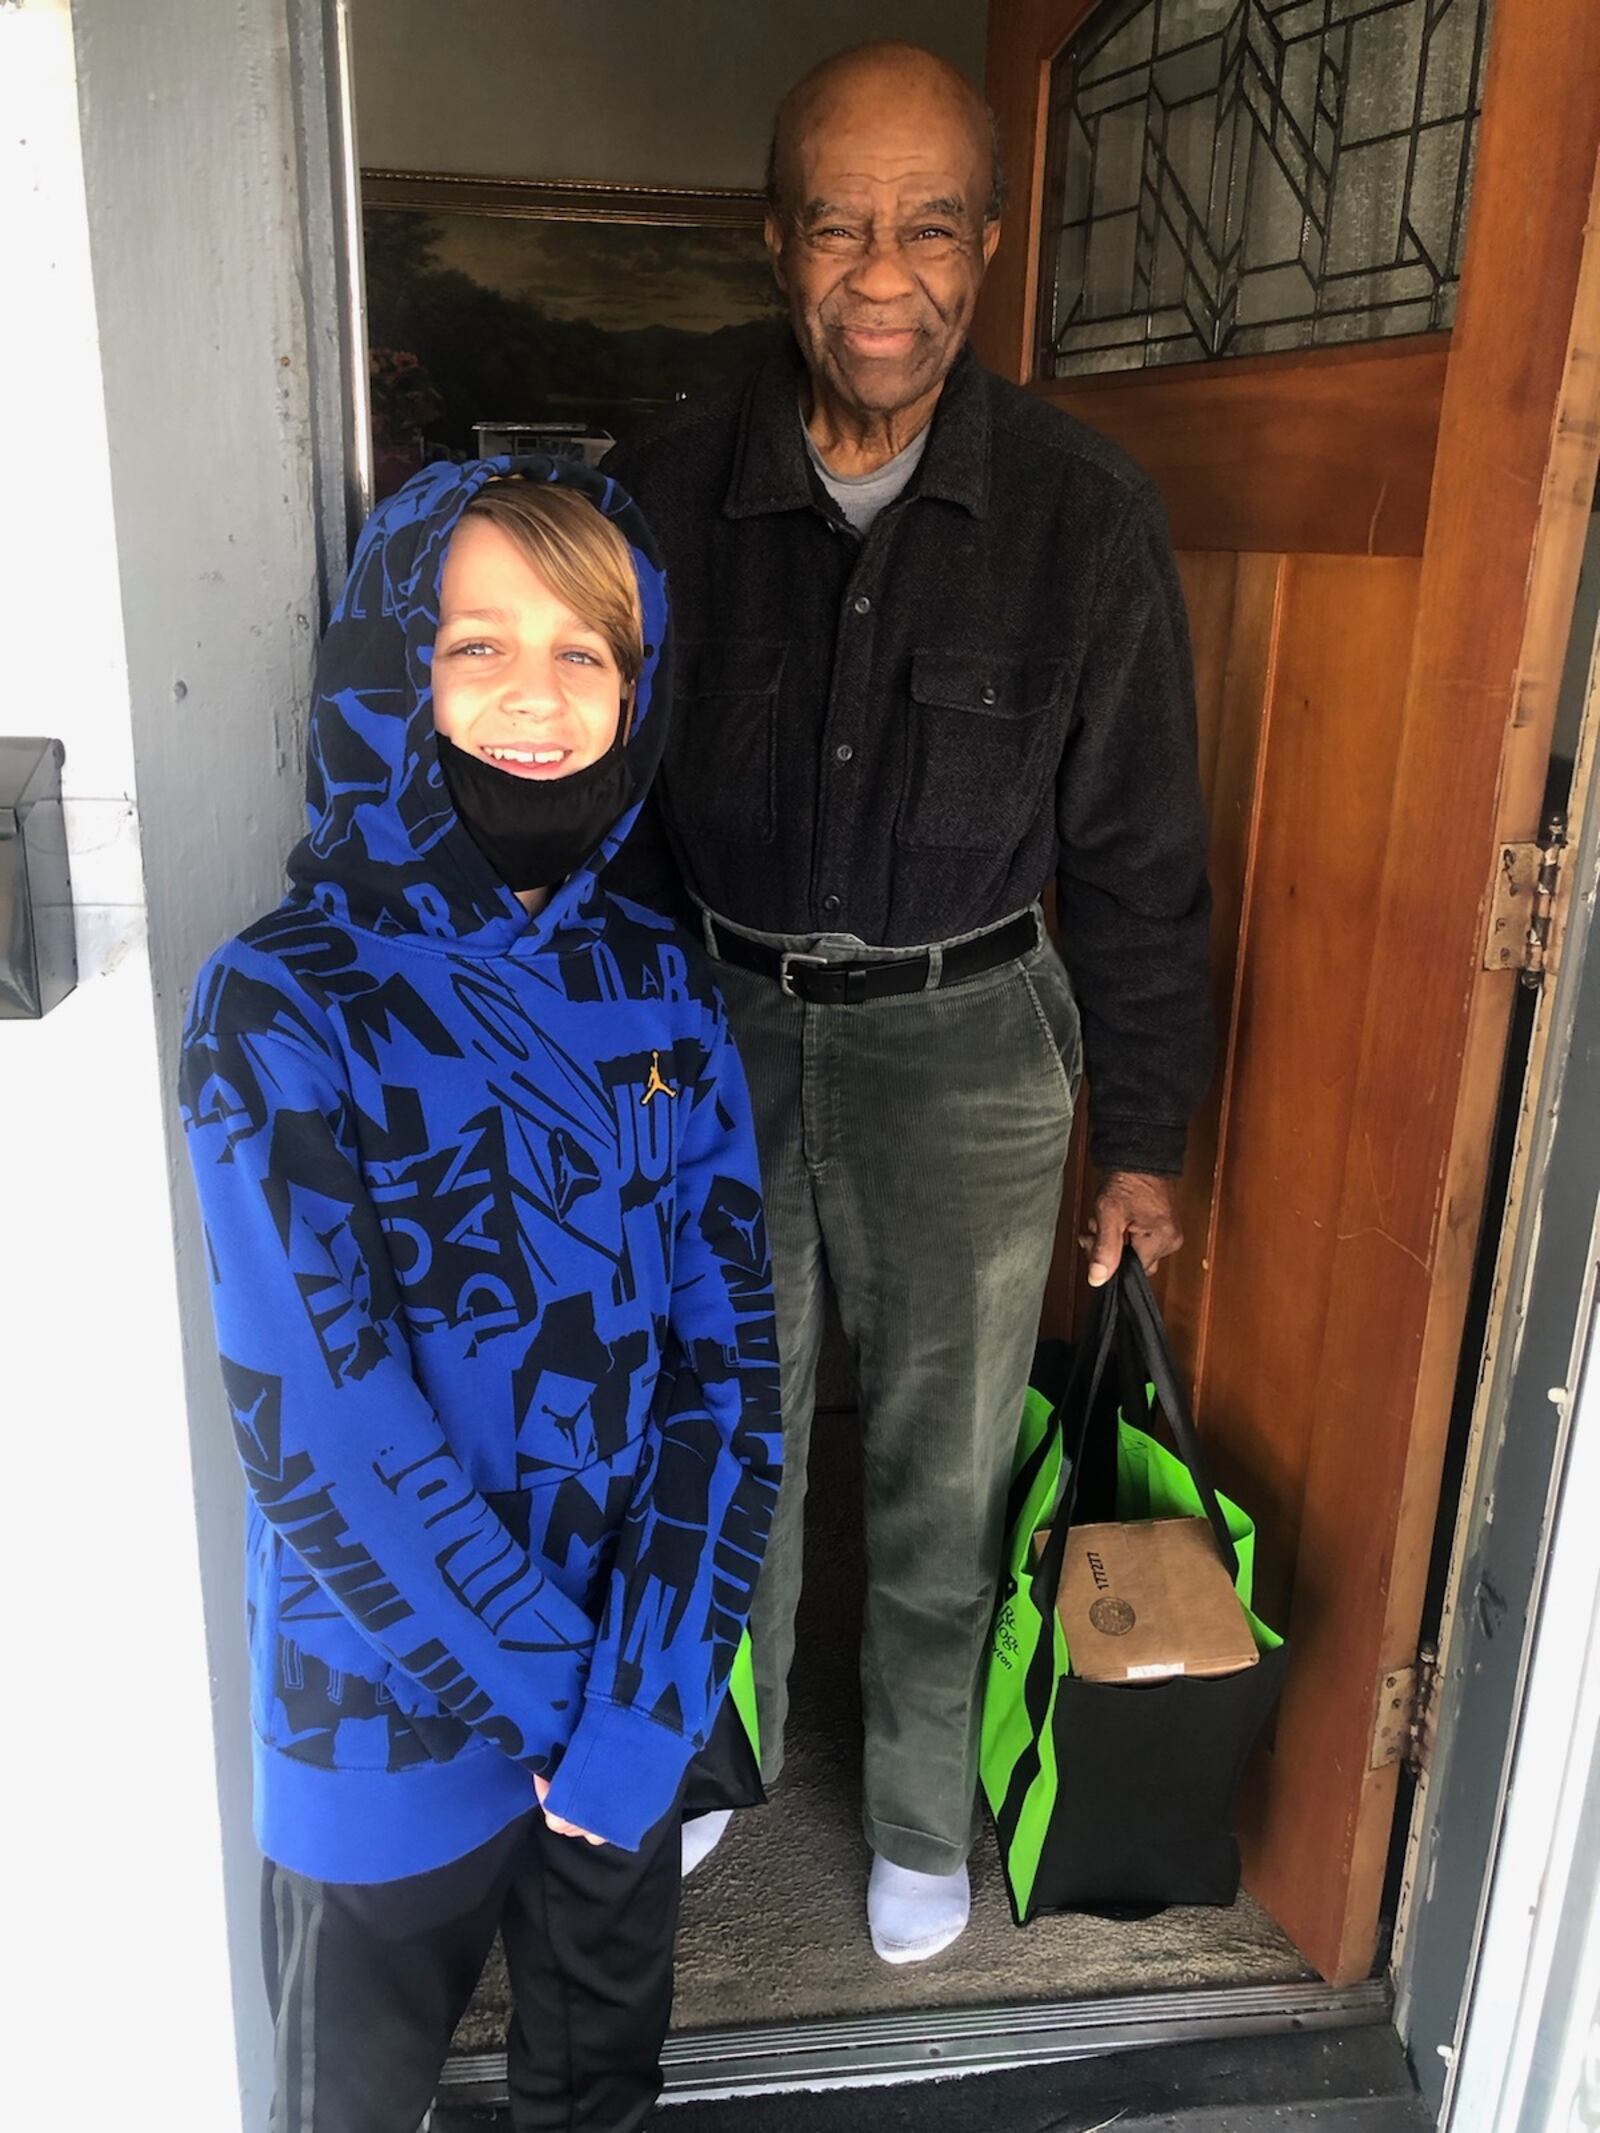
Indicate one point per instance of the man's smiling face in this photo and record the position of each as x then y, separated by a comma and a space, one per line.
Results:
880, 240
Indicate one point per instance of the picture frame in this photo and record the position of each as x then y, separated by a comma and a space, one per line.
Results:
550, 315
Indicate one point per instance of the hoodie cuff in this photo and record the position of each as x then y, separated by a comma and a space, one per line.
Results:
620, 1774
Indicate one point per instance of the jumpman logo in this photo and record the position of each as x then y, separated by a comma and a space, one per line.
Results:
656, 1085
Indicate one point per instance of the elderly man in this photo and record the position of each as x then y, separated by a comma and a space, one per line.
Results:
931, 650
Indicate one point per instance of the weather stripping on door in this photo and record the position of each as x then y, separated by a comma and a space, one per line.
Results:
870, 2049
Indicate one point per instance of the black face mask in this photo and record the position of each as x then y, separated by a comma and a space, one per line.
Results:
535, 831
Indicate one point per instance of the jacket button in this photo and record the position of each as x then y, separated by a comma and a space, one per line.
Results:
831, 903
843, 752
861, 604
988, 694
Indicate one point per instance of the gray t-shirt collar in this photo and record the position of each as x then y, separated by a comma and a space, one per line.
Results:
862, 496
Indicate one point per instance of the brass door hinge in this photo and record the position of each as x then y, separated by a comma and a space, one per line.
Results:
1527, 883
1402, 1731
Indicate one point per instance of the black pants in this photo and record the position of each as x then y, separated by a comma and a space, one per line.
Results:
367, 1982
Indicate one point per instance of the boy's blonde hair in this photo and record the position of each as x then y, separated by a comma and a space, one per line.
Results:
578, 552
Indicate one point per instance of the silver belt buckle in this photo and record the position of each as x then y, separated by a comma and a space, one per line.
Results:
785, 978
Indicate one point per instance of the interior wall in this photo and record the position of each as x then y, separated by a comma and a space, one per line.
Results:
620, 92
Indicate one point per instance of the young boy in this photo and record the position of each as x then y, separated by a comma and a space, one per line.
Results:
492, 1295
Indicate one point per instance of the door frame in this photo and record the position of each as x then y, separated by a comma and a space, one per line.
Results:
946, 2040
1499, 561
329, 198
1457, 1972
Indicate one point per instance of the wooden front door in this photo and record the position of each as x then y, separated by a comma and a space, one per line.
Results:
1379, 545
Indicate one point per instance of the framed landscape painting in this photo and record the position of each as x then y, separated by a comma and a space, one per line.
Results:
549, 316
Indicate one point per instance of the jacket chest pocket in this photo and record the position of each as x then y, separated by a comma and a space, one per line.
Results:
982, 736
722, 772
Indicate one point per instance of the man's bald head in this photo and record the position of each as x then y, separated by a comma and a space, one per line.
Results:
852, 83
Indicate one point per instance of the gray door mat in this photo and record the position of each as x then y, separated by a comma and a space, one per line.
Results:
774, 1924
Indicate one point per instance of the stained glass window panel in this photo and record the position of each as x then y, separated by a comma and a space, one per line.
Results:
1233, 177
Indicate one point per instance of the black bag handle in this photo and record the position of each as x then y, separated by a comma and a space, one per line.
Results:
1126, 1302
1078, 1401
1144, 1315
1081, 1368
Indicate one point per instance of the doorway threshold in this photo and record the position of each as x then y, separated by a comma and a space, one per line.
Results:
710, 2064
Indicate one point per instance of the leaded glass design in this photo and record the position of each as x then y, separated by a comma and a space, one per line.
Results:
1234, 177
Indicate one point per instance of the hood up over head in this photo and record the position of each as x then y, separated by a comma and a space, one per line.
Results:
387, 851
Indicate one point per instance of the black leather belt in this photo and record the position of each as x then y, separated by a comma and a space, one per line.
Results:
822, 979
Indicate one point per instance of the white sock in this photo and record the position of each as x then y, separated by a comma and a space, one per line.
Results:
913, 1915
701, 1836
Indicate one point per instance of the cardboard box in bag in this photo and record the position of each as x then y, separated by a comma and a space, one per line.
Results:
1145, 1601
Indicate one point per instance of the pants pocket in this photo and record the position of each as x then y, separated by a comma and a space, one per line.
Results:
1056, 1012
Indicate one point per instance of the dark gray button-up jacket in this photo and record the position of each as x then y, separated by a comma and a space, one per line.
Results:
903, 737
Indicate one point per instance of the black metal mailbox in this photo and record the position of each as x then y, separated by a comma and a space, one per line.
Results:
38, 953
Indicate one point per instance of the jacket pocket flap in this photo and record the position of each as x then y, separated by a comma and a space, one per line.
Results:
996, 688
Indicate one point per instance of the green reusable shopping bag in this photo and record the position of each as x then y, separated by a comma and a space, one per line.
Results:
727, 1770
1113, 1794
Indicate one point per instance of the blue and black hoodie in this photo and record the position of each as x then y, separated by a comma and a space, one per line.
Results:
491, 1284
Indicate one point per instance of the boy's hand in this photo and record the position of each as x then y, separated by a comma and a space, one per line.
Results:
562, 1829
